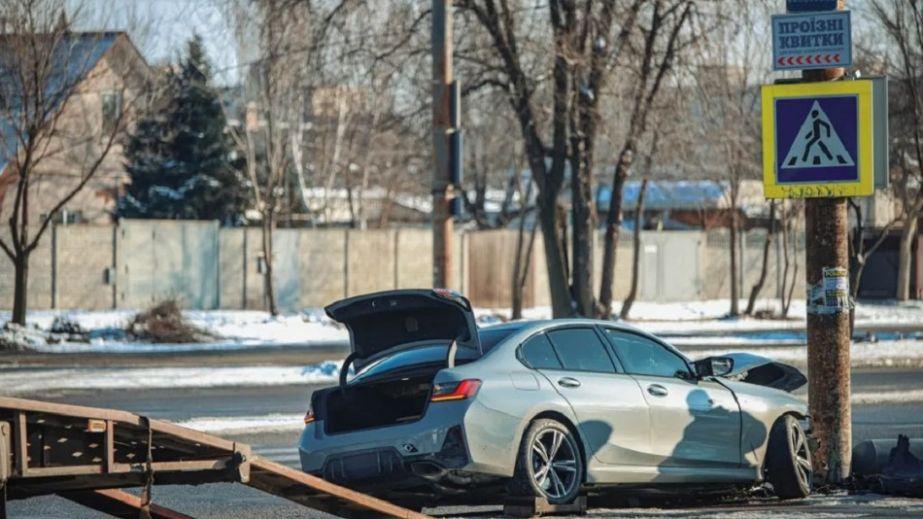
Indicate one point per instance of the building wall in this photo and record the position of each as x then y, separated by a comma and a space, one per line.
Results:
79, 141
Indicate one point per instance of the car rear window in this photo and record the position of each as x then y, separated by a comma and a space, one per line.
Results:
490, 337
538, 353
581, 350
435, 354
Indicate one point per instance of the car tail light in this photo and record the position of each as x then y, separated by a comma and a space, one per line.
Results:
455, 390
309, 417
451, 295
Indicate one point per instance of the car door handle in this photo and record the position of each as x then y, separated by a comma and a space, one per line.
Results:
568, 382
657, 390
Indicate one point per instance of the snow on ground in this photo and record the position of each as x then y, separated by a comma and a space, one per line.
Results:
685, 322
735, 341
710, 317
246, 424
30, 380
236, 329
875, 354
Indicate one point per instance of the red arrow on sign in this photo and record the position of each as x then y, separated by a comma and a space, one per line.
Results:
809, 59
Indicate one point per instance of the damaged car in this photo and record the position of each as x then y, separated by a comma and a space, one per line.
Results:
429, 404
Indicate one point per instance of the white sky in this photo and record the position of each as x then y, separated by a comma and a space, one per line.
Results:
161, 28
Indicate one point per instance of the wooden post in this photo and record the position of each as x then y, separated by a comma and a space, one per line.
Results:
826, 237
443, 228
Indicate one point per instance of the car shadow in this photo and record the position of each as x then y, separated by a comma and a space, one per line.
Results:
692, 450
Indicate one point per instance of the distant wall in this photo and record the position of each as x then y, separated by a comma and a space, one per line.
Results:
138, 262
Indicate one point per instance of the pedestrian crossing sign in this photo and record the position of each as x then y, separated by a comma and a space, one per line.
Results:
818, 139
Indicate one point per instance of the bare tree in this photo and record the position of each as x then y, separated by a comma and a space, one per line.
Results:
629, 301
564, 55
287, 38
902, 21
733, 64
859, 254
790, 210
60, 110
764, 268
662, 39
523, 258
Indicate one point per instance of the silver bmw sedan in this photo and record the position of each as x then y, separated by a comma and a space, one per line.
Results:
429, 404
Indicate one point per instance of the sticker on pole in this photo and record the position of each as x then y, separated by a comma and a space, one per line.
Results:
831, 294
818, 140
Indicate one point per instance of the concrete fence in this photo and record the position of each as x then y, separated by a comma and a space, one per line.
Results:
138, 262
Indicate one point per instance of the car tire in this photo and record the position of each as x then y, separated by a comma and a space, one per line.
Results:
788, 459
549, 464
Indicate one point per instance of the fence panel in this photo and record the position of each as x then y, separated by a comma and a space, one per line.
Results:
83, 256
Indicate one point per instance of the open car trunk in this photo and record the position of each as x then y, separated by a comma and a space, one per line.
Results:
380, 326
375, 404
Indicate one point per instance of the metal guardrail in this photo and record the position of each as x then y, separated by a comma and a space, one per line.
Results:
86, 454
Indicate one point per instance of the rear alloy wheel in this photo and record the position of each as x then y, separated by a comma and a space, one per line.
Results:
788, 459
549, 463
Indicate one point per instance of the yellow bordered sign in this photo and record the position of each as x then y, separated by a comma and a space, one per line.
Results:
818, 140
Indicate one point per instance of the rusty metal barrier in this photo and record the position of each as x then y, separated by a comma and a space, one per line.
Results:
86, 454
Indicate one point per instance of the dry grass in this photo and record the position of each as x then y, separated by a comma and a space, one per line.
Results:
164, 323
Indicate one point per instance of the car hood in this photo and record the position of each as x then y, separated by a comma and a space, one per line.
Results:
762, 371
385, 320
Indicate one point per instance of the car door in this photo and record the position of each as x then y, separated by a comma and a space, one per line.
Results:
694, 423
611, 412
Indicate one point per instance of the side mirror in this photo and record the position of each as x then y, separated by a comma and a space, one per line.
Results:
713, 366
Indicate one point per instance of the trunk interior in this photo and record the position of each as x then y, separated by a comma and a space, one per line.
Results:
377, 404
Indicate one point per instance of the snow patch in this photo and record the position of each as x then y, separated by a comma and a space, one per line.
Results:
246, 424
27, 380
878, 354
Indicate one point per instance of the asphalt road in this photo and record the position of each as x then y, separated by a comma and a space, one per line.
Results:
895, 411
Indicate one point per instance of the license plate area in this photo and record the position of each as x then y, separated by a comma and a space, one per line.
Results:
361, 466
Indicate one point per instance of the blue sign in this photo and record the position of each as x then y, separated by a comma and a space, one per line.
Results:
817, 139
808, 41
810, 6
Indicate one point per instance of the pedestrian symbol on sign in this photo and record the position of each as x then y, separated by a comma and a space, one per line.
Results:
817, 144
819, 139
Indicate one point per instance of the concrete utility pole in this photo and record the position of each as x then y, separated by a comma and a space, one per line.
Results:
828, 334
443, 271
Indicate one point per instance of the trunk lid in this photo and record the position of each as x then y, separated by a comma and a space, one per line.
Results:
385, 320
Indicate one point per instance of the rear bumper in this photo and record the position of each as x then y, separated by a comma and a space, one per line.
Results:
387, 469
450, 446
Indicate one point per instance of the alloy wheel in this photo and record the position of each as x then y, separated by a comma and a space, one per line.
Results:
554, 463
803, 464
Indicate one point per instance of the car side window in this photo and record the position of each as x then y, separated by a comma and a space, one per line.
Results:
581, 350
642, 356
538, 353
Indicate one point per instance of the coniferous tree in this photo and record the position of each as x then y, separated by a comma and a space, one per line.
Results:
179, 157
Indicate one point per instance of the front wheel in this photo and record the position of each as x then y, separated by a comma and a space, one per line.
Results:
788, 459
549, 463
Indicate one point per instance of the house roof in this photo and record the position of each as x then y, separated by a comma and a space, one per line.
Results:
684, 194
73, 57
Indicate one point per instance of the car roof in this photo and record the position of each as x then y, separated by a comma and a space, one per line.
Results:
529, 326
541, 324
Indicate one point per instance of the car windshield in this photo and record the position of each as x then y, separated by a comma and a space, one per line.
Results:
430, 353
